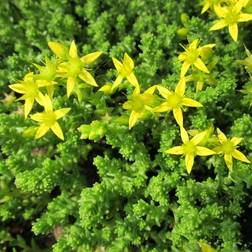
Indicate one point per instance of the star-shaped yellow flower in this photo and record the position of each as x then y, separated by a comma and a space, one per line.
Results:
74, 67
175, 101
228, 147
139, 104
29, 88
48, 119
125, 70
230, 16
190, 148
192, 57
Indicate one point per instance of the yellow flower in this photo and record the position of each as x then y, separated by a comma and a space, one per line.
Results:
231, 16
74, 67
205, 247
192, 57
48, 119
228, 148
190, 148
207, 4
29, 88
139, 104
125, 70
175, 101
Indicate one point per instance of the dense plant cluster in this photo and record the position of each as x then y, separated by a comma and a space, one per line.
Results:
109, 180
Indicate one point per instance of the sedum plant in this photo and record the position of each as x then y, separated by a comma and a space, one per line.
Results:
91, 158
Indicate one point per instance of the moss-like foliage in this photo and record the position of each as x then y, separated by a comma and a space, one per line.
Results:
107, 187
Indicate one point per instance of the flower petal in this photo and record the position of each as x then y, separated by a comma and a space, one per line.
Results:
117, 82
118, 65
18, 88
229, 161
73, 50
162, 108
47, 103
39, 117
91, 57
190, 102
134, 116
184, 135
57, 49
61, 112
150, 90
88, 78
240, 156
164, 92
203, 151
28, 106
132, 79
180, 88
184, 69
177, 150
218, 25
189, 160
57, 130
233, 30
199, 137
244, 17
221, 136
70, 85
236, 140
128, 61
178, 115
42, 129
39, 98
201, 65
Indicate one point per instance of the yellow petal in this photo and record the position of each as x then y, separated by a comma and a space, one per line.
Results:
199, 86
70, 85
19, 88
233, 30
150, 90
199, 137
220, 11
39, 117
91, 57
236, 140
206, 6
47, 103
132, 79
184, 135
57, 49
162, 108
229, 161
201, 65
180, 88
28, 106
218, 25
40, 98
117, 82
203, 151
177, 150
178, 115
243, 17
205, 247
221, 136
194, 44
133, 118
88, 78
164, 92
190, 102
57, 130
61, 112
184, 69
128, 62
118, 65
240, 156
73, 50
42, 129
240, 4
189, 160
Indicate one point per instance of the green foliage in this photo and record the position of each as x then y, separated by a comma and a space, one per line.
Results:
108, 188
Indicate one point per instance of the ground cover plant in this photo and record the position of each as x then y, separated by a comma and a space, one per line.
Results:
125, 126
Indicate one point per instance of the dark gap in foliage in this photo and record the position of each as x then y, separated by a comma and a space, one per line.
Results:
55, 192
71, 219
245, 221
117, 99
203, 173
150, 174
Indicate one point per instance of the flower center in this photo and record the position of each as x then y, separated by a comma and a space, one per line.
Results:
49, 118
189, 148
228, 147
74, 67
31, 88
174, 100
192, 56
48, 73
232, 17
137, 103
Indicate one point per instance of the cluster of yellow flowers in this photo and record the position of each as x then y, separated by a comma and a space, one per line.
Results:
229, 13
68, 65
